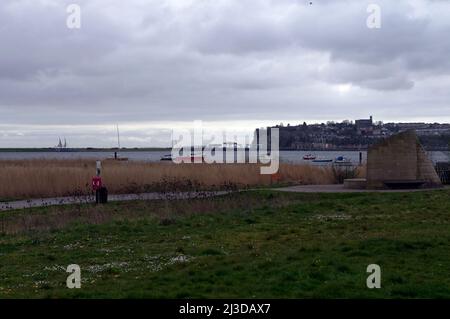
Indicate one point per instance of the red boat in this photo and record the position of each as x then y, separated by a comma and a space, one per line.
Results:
309, 157
195, 157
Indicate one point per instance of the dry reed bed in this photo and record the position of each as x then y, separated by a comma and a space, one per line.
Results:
49, 178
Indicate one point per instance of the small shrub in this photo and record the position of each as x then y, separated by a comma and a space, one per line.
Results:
340, 173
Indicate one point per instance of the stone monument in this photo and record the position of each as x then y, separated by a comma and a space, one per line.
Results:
400, 160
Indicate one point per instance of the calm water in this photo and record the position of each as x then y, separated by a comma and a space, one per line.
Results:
154, 156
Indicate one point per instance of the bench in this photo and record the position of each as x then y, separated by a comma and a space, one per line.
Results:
404, 184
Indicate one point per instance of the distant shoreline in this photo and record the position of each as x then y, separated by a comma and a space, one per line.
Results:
157, 149
50, 150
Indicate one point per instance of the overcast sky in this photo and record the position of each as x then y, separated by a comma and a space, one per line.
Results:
151, 65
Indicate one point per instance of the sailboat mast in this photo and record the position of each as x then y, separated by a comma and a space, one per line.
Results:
118, 136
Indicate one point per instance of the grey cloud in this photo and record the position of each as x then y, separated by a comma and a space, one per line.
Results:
163, 60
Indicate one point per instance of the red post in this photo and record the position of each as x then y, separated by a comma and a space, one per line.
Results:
101, 193
96, 183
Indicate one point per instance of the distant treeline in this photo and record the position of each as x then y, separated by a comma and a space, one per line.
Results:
87, 149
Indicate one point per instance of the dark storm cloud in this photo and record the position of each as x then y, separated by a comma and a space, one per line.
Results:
143, 61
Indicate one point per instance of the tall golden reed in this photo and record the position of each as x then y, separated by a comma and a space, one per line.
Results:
51, 178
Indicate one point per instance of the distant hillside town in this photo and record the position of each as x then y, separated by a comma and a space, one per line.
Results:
357, 135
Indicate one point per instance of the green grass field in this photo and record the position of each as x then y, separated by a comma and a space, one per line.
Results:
260, 244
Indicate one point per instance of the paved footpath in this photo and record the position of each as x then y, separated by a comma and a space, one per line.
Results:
340, 189
44, 202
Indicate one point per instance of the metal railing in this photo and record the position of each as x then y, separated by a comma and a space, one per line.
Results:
443, 170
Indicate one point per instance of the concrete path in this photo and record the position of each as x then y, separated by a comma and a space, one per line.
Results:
57, 201
340, 189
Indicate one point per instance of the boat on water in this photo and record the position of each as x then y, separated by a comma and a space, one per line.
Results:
342, 160
167, 157
194, 157
309, 157
116, 154
322, 160
61, 147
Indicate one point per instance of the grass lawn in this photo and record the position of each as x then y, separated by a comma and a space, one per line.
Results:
259, 244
